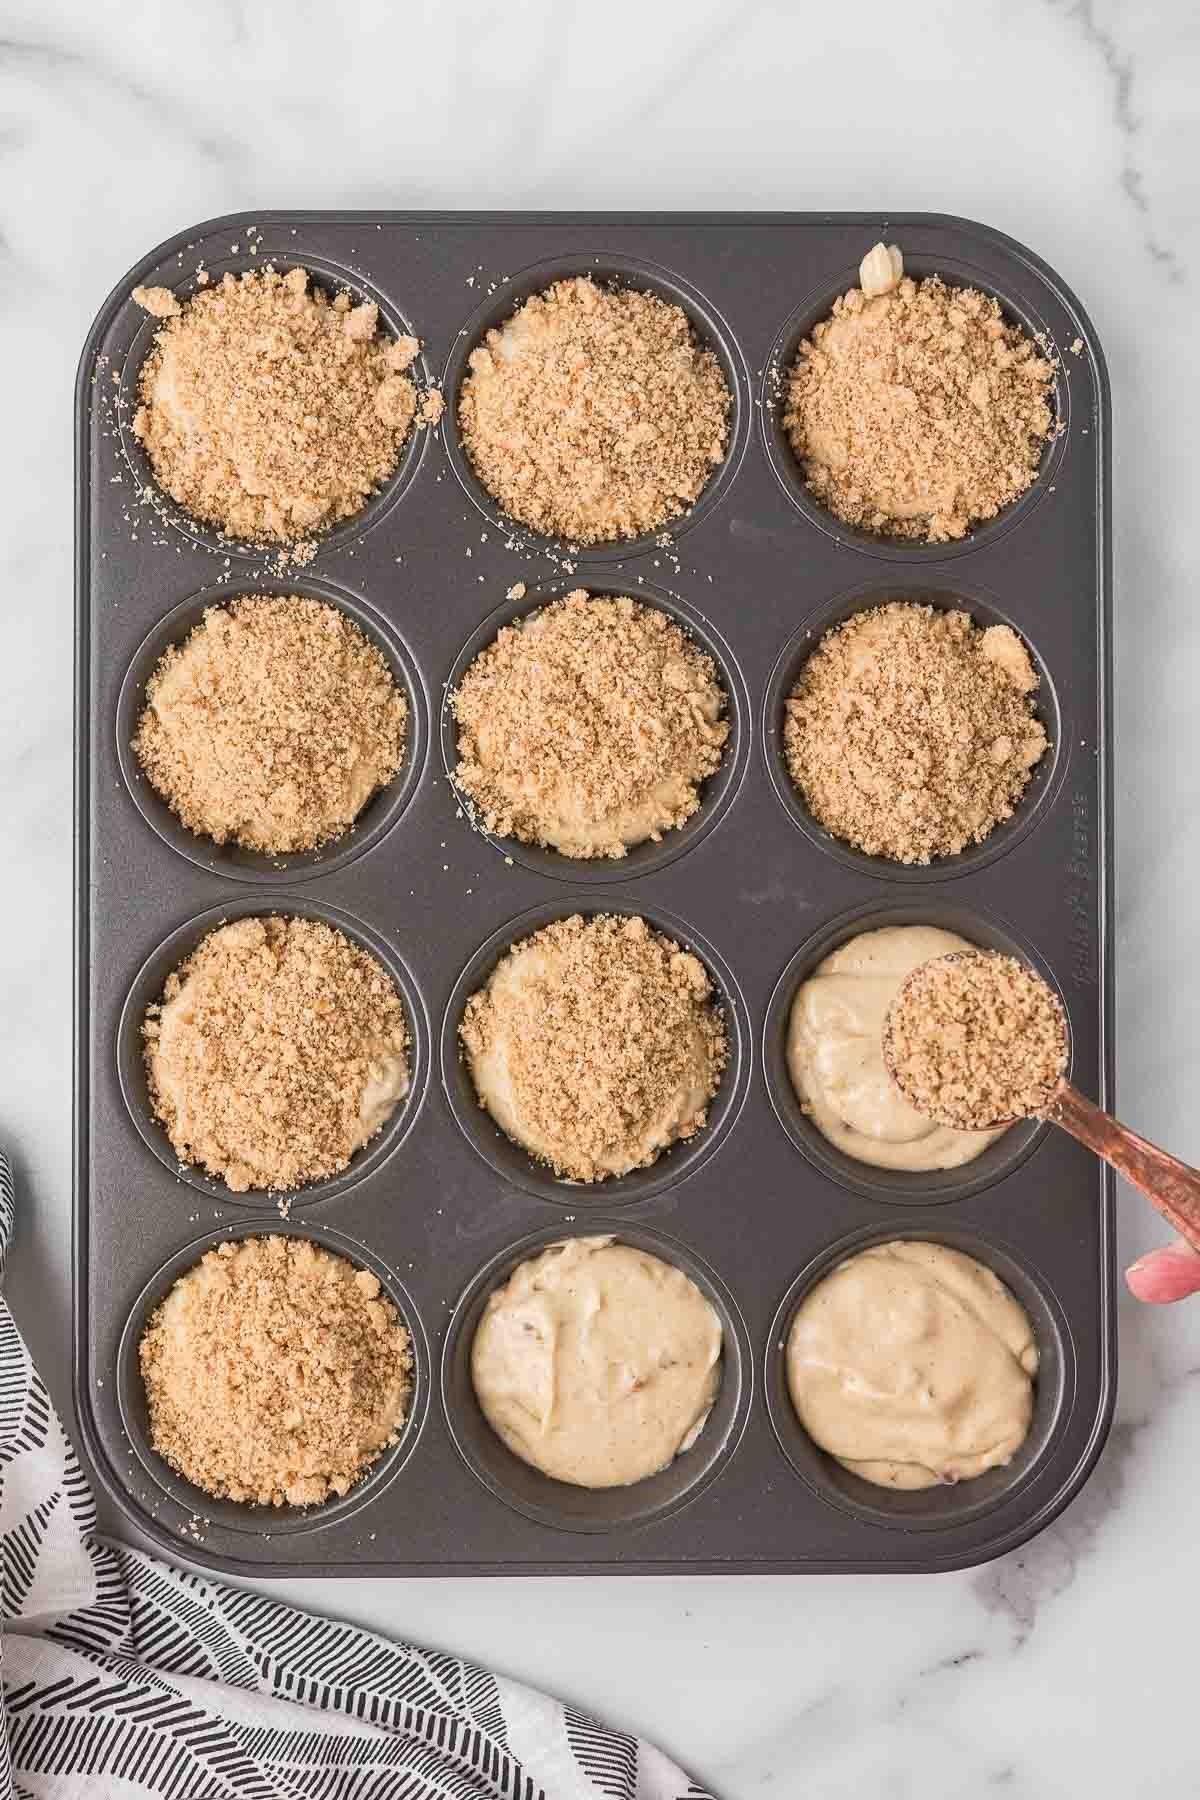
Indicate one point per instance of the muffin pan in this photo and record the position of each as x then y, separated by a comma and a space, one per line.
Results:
440, 1205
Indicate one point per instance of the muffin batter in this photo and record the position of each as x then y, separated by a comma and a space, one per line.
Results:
597, 1363
588, 726
279, 1048
835, 1053
595, 1044
912, 1364
275, 1372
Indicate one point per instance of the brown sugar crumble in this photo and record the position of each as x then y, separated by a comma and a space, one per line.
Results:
593, 413
588, 726
269, 410
159, 302
915, 409
911, 732
272, 724
275, 1372
277, 1050
976, 1038
596, 1044
432, 407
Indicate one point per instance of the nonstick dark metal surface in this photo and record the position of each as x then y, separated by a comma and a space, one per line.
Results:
759, 1206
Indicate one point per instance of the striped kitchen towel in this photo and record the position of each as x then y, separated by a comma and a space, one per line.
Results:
123, 1676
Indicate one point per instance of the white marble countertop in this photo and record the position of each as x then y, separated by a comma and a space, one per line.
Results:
1068, 1667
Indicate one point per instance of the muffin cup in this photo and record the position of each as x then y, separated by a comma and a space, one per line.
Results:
230, 860
333, 278
622, 271
147, 989
901, 1187
816, 306
513, 1163
559, 1503
242, 1516
717, 793
935, 1508
1044, 781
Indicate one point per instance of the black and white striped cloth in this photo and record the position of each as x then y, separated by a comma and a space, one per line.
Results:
124, 1677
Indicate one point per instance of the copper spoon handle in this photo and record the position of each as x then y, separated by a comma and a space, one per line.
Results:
1168, 1184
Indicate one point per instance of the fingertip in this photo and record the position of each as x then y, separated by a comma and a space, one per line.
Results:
1140, 1280
1164, 1276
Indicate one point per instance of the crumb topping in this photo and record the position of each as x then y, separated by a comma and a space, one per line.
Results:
272, 724
606, 1029
911, 733
594, 413
433, 405
269, 410
588, 726
976, 1038
279, 1047
275, 1372
915, 409
159, 302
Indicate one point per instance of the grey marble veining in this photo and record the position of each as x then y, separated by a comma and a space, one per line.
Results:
1066, 1668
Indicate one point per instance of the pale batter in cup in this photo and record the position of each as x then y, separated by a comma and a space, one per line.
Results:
597, 1363
835, 1054
913, 1365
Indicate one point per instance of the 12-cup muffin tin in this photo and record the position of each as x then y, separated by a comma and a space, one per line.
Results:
759, 1206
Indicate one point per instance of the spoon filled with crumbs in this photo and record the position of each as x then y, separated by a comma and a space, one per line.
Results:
976, 1040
